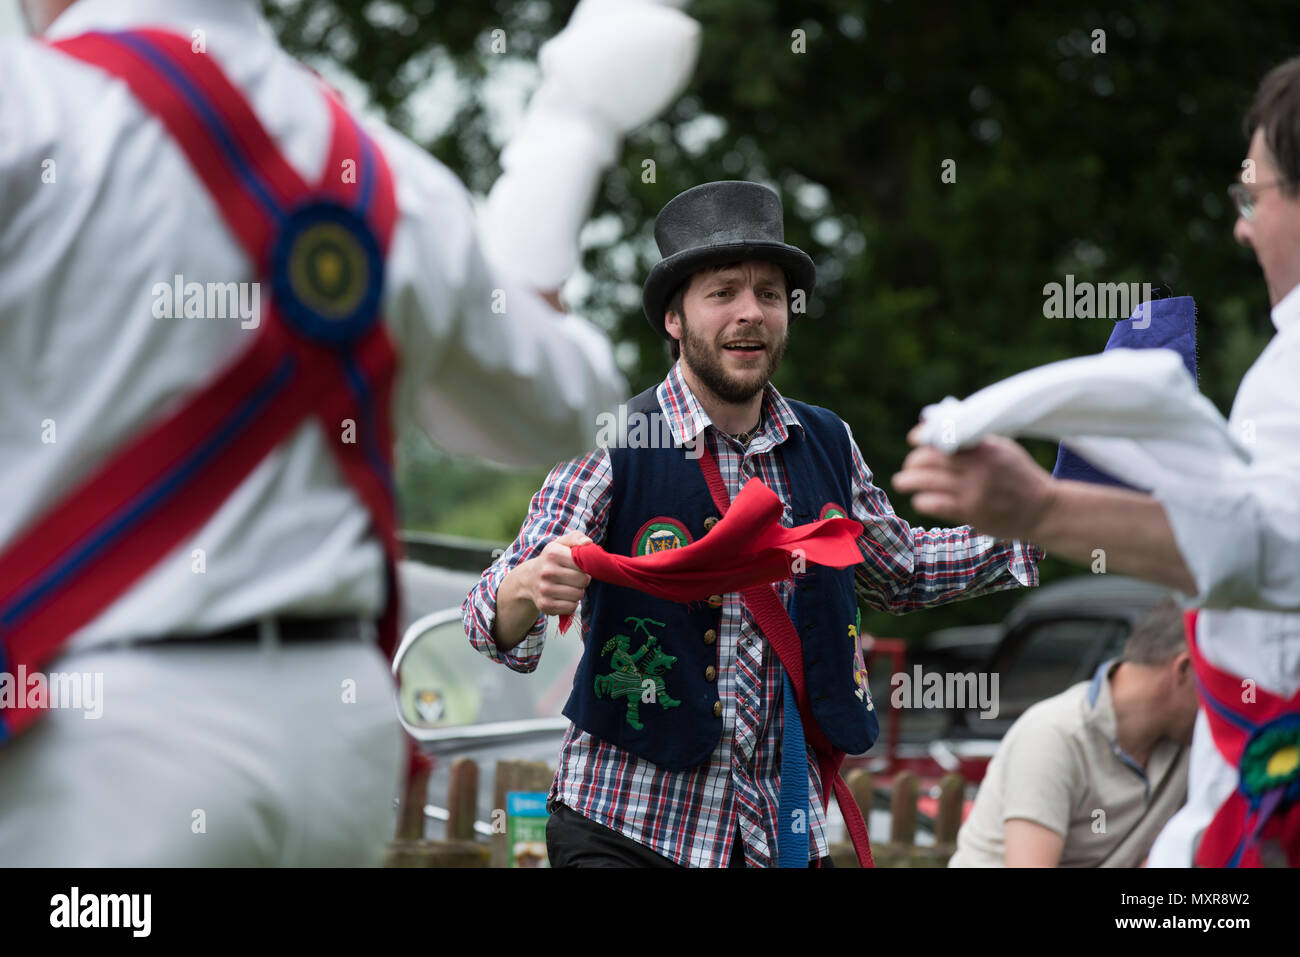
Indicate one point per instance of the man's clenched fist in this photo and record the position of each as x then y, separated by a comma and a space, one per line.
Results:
549, 584
996, 486
553, 581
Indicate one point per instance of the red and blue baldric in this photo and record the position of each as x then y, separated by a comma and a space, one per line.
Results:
800, 729
320, 350
1258, 733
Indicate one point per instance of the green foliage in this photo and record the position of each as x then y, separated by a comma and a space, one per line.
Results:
457, 496
1110, 166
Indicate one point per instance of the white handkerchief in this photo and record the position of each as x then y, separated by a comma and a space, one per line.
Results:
1135, 413
617, 65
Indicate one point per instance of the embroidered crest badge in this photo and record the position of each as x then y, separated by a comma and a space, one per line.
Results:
831, 510
659, 535
637, 675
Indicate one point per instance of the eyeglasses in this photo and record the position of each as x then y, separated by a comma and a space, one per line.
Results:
1244, 198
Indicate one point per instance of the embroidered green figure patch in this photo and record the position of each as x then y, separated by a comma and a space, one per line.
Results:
637, 675
660, 534
831, 510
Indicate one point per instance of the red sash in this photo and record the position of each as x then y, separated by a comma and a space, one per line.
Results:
1260, 737
765, 605
749, 546
320, 351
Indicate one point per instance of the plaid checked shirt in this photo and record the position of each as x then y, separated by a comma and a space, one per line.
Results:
692, 817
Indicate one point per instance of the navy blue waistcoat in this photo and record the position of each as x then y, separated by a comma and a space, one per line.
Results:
647, 682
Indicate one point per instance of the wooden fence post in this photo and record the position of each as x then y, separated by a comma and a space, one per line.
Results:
902, 808
462, 799
952, 794
901, 849
410, 822
862, 785
410, 849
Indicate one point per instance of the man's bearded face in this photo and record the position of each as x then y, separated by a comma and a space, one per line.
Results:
736, 333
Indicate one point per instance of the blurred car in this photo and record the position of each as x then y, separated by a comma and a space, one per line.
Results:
1056, 636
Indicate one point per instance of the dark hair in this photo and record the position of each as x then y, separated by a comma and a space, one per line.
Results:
1158, 636
675, 305
1276, 110
675, 300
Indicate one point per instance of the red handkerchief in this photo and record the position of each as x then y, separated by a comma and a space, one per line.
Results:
747, 547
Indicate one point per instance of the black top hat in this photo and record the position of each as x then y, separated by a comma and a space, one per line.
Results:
718, 223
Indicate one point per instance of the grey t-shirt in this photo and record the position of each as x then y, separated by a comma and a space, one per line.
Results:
1059, 766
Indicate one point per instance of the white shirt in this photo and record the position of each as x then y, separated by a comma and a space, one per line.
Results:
84, 361
1241, 538
1242, 544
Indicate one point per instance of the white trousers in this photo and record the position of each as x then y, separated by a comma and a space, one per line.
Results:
218, 754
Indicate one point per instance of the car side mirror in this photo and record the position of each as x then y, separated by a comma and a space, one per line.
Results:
445, 684
432, 689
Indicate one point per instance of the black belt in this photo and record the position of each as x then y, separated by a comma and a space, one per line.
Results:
286, 631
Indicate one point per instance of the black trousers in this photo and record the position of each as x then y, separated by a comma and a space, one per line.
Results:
576, 841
